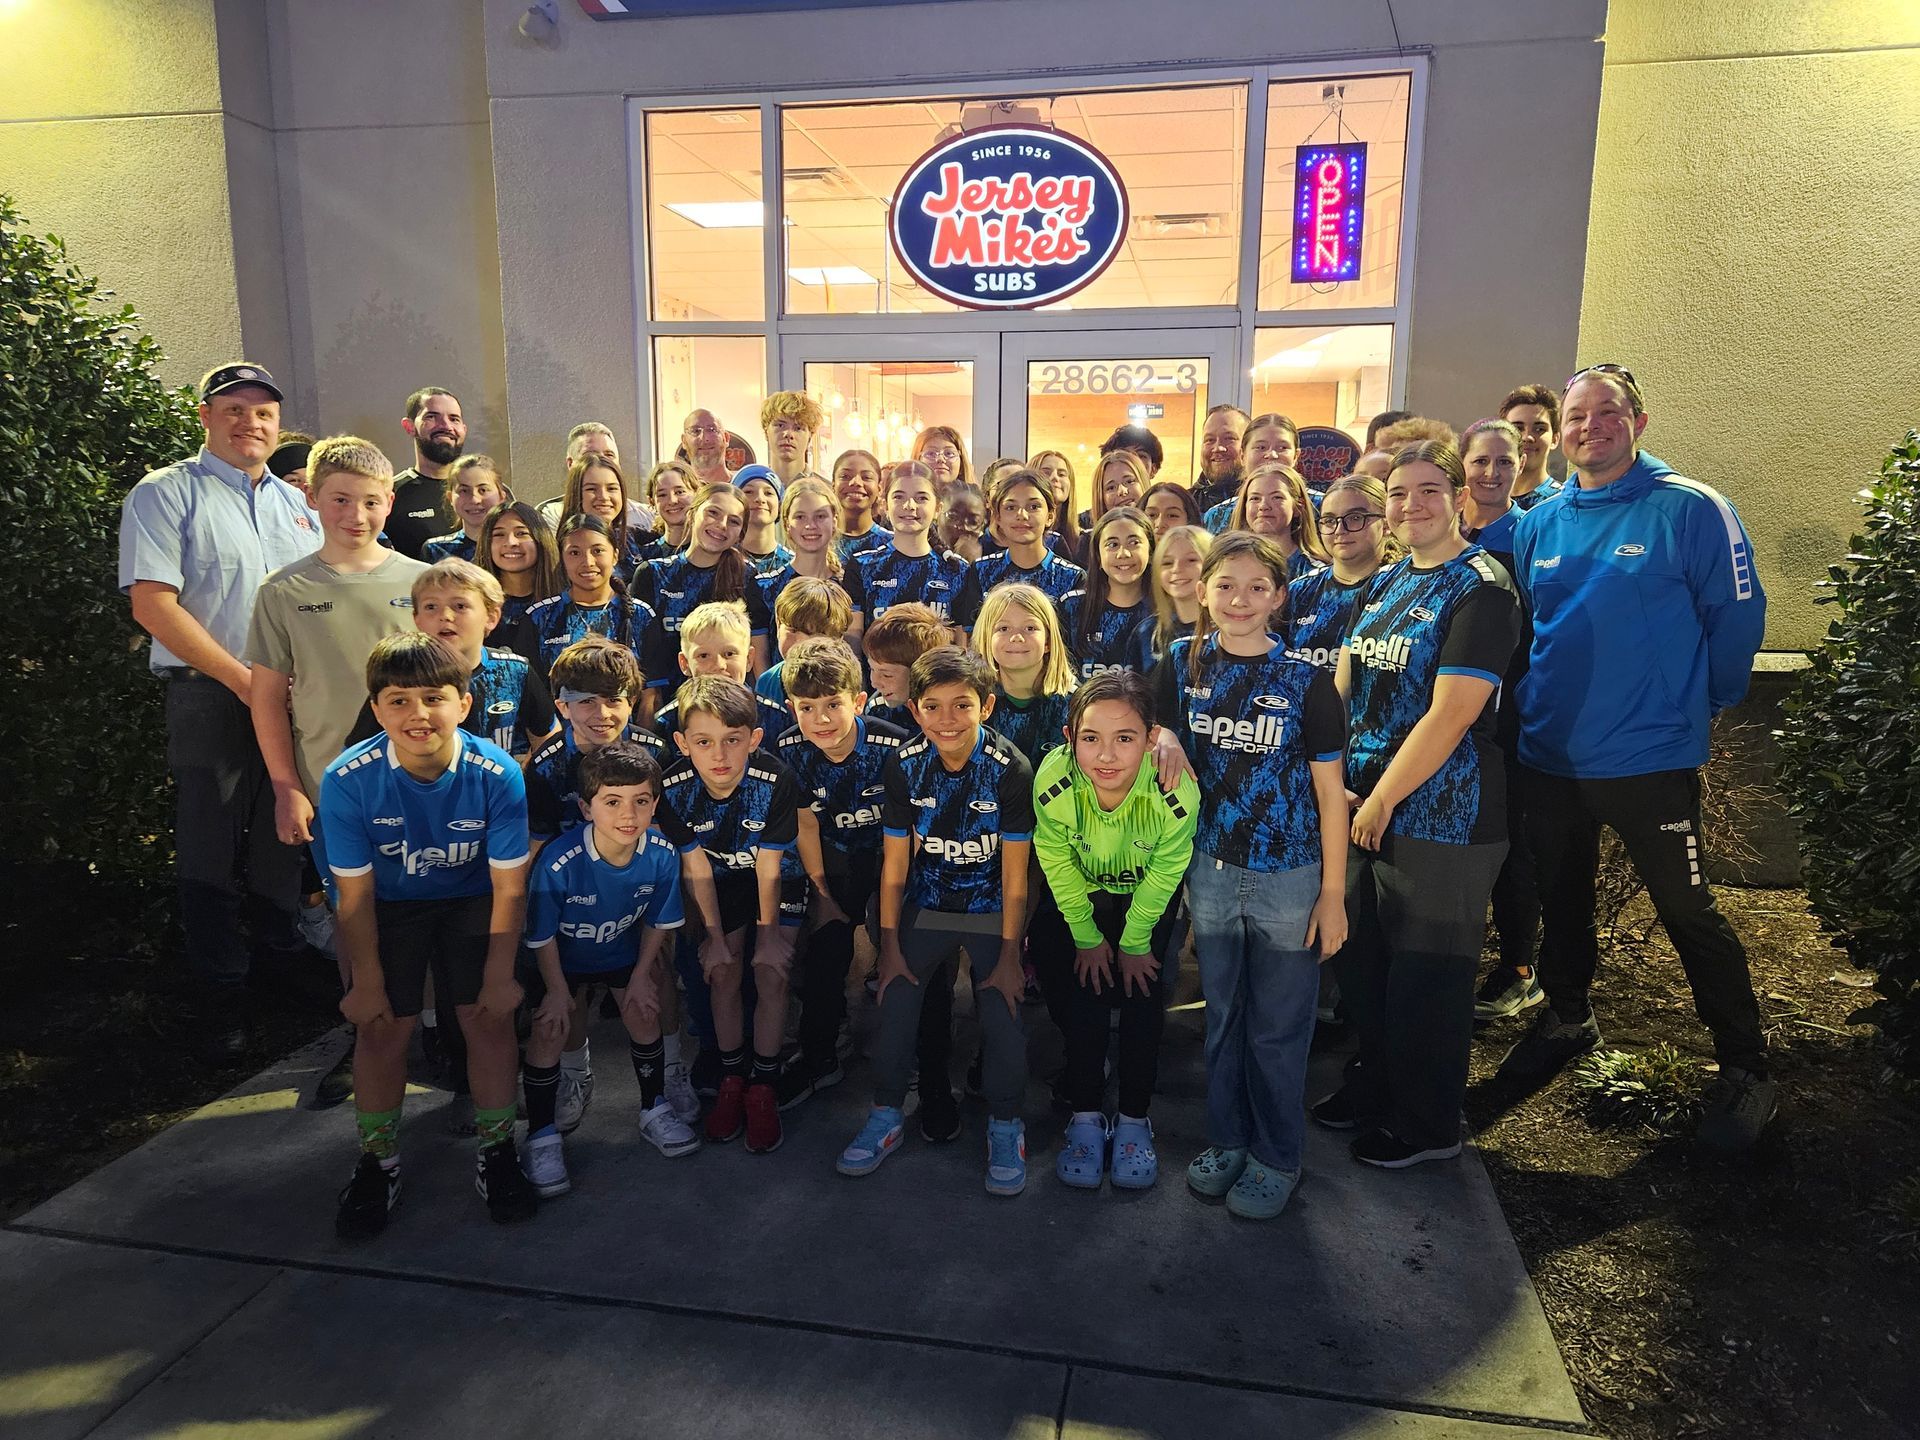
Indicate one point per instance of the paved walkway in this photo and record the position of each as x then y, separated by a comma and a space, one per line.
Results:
194, 1289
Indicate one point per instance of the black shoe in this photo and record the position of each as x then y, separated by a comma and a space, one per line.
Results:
1739, 1104
337, 1084
1336, 1112
1545, 1050
369, 1196
939, 1115
798, 1079
510, 1196
705, 1072
223, 1037
1385, 1151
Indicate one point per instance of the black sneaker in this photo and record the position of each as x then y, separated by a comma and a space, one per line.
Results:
1507, 992
1739, 1104
337, 1084
222, 1036
510, 1196
1387, 1152
369, 1196
939, 1115
798, 1079
1336, 1112
1546, 1049
705, 1073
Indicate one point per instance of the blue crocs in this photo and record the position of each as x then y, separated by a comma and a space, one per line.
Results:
1006, 1157
1261, 1192
878, 1138
1214, 1170
1135, 1166
1083, 1154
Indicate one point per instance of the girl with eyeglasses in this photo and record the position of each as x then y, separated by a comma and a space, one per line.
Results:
1353, 526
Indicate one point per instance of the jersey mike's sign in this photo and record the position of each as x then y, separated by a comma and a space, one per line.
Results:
1324, 456
1008, 217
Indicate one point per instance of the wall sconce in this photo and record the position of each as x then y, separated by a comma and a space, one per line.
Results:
541, 22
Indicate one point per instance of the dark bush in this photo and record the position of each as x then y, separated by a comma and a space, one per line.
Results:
1851, 748
82, 418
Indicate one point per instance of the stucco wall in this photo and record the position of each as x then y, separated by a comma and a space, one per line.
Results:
1752, 256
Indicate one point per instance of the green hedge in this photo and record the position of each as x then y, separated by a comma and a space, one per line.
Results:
82, 417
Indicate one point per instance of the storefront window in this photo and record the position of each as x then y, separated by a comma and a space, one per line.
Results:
1073, 406
705, 220
1179, 152
1314, 113
726, 374
1334, 375
881, 405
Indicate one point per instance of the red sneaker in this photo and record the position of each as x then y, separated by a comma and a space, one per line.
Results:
729, 1114
763, 1119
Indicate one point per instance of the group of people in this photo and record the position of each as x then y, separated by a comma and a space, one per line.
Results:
678, 742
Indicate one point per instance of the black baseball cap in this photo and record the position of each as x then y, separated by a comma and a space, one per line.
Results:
228, 377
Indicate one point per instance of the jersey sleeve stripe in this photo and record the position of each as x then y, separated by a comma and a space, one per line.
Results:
499, 863
1486, 675
1740, 554
366, 869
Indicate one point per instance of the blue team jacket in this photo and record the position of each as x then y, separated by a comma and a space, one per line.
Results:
1646, 616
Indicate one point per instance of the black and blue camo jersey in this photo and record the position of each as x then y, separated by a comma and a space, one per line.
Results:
1055, 577
1251, 725
455, 545
775, 720
847, 795
762, 813
771, 563
559, 621
898, 716
1319, 610
1149, 646
1034, 725
513, 609
958, 820
881, 579
644, 548
675, 587
553, 779
511, 704
1112, 645
846, 547
1413, 626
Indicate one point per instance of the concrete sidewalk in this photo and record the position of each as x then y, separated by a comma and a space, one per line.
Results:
197, 1282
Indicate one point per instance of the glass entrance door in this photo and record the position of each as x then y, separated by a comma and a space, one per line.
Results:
879, 391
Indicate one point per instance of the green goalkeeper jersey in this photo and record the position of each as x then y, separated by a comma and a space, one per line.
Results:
1140, 848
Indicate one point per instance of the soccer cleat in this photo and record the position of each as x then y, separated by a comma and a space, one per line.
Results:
497, 1176
1507, 992
1215, 1170
763, 1119
367, 1200
337, 1084
878, 1138
1083, 1152
1545, 1050
1336, 1111
680, 1095
1739, 1104
1006, 1157
1134, 1165
661, 1128
546, 1163
1385, 1151
1261, 1192
728, 1118
570, 1107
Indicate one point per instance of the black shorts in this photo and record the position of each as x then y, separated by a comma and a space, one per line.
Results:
448, 937
740, 900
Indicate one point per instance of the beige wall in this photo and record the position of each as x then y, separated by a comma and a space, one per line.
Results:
1752, 258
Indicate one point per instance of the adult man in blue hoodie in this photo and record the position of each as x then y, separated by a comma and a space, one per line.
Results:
1646, 616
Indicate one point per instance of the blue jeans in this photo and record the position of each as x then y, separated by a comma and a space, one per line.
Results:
1261, 985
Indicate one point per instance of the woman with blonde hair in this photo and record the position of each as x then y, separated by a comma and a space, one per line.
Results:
1273, 502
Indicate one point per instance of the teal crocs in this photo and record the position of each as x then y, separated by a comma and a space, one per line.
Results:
1083, 1154
1214, 1170
1135, 1166
1261, 1192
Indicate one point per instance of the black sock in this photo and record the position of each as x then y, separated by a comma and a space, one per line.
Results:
542, 1084
650, 1067
734, 1062
766, 1069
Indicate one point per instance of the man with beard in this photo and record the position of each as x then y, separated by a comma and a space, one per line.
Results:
703, 441
439, 434
1219, 477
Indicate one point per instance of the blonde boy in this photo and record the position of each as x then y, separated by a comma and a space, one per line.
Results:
717, 639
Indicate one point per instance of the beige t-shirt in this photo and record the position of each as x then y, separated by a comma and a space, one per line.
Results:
318, 625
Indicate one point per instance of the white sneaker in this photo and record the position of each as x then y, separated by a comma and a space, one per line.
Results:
576, 1093
315, 924
680, 1098
666, 1131
546, 1165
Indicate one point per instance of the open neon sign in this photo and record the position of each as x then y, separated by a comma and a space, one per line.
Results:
1329, 209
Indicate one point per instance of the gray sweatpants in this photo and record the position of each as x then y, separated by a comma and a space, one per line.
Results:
927, 939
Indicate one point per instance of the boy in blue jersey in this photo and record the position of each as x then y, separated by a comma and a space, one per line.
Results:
959, 833
732, 814
597, 684
425, 833
1647, 613
601, 904
891, 645
837, 757
717, 639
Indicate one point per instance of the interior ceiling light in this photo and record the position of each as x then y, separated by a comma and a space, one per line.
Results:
1194, 222
722, 214
830, 275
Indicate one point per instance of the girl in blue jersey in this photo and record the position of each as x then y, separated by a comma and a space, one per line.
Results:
596, 487
810, 520
1353, 526
1177, 560
474, 487
1021, 508
1168, 506
1265, 734
1119, 479
670, 489
1100, 618
1273, 502
1421, 672
712, 567
1056, 473
909, 569
1269, 439
856, 485
516, 548
591, 604
760, 541
1019, 633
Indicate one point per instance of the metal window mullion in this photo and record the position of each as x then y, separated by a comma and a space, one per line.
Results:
773, 238
1253, 189
642, 233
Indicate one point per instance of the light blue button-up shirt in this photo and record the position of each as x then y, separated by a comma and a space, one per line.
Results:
207, 530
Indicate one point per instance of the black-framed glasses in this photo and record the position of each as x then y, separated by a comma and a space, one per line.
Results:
1353, 522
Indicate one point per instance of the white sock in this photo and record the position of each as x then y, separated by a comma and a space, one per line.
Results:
671, 1045
576, 1062
429, 1018
1130, 1119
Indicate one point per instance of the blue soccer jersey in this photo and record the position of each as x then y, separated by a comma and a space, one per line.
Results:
457, 546
847, 795
1111, 646
513, 609
553, 779
1319, 610
762, 813
1033, 725
898, 716
771, 563
559, 621
1549, 488
511, 704
1496, 536
424, 840
1055, 577
675, 587
595, 909
1252, 724
847, 547
958, 820
1150, 646
1412, 627
881, 579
